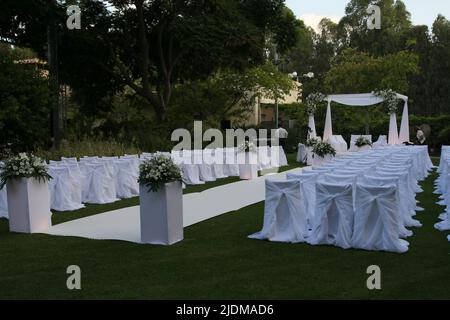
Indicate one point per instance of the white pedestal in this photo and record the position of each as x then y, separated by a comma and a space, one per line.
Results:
248, 170
28, 205
319, 161
3, 203
309, 156
162, 214
363, 148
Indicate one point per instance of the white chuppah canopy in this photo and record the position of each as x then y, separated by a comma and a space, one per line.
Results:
364, 100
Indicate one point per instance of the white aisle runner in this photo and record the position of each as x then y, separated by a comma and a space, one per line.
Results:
124, 224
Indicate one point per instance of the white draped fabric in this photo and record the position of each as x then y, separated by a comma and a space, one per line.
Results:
126, 179
68, 196
328, 131
382, 181
101, 180
404, 126
393, 129
333, 222
377, 225
99, 185
312, 126
381, 142
3, 204
338, 142
308, 188
364, 100
443, 189
284, 213
3, 201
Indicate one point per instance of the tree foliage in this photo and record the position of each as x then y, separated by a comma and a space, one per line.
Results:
24, 104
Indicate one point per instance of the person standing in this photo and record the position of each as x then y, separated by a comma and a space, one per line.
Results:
420, 136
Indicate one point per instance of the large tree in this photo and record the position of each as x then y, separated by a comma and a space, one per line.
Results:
354, 71
439, 68
151, 45
395, 23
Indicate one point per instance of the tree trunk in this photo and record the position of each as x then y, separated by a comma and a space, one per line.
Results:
52, 38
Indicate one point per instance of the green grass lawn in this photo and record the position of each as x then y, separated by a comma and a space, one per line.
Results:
217, 261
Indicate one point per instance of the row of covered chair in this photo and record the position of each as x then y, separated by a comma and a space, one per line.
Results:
304, 154
442, 188
3, 202
101, 180
359, 200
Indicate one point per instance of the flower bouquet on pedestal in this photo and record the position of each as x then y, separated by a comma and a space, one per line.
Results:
26, 177
322, 152
161, 201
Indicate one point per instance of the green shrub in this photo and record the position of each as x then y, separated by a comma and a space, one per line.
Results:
87, 147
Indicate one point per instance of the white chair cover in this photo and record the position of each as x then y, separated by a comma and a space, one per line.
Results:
376, 220
381, 142
134, 162
444, 225
308, 190
215, 159
65, 190
99, 184
55, 163
126, 179
206, 170
278, 157
231, 168
85, 158
191, 172
333, 222
284, 213
146, 155
78, 177
3, 203
338, 143
406, 197
385, 182
264, 158
302, 153
69, 160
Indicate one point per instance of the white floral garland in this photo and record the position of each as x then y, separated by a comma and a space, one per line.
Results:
312, 101
390, 100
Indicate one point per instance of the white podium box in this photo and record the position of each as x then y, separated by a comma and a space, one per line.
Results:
28, 205
162, 214
319, 161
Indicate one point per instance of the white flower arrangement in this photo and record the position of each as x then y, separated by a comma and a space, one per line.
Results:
312, 142
247, 146
312, 101
362, 141
390, 100
322, 149
154, 173
23, 166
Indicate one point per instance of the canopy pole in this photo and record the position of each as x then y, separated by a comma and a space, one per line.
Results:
312, 127
393, 129
367, 122
328, 132
404, 127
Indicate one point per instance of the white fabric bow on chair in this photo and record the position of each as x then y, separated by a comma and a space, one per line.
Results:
376, 219
333, 223
284, 213
402, 209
